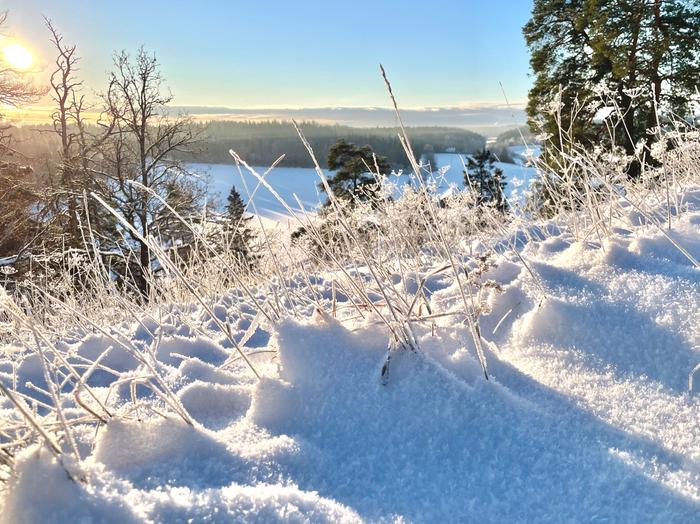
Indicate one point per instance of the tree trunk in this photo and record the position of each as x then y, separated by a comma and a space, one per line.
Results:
144, 270
634, 169
144, 251
655, 77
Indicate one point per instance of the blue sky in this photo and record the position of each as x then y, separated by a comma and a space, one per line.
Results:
299, 53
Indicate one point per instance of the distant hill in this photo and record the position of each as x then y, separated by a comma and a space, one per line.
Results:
486, 119
516, 136
261, 143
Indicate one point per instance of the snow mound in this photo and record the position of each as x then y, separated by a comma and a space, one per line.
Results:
55, 498
586, 416
113, 502
397, 449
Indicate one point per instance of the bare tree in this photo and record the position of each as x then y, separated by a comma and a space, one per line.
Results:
15, 88
142, 145
64, 85
79, 147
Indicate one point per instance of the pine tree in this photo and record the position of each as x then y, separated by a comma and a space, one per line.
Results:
18, 195
557, 36
186, 199
240, 233
486, 179
646, 53
354, 171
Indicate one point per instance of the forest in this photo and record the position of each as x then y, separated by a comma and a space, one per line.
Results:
262, 143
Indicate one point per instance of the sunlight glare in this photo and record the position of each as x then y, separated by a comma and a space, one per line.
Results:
17, 56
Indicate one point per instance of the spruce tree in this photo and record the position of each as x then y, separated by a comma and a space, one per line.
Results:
429, 159
237, 227
186, 199
486, 180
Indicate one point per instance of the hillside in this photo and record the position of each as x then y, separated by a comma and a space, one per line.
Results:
262, 143
271, 262
585, 416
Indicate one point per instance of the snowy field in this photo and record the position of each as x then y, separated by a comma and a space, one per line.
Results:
302, 182
586, 416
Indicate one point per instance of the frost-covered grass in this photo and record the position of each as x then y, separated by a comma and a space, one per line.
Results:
435, 362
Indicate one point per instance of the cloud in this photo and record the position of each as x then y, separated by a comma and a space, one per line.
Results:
488, 119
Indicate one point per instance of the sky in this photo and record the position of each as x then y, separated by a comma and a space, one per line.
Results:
297, 54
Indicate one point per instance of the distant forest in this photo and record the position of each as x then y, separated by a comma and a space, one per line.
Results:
517, 137
261, 143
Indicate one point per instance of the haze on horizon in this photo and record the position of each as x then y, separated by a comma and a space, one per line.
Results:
310, 60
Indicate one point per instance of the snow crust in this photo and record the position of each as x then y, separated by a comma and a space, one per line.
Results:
586, 417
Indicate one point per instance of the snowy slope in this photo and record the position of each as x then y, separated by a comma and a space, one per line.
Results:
586, 416
303, 182
517, 176
287, 181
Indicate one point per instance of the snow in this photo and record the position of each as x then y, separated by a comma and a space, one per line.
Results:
603, 114
516, 175
523, 154
5, 261
287, 181
586, 416
303, 182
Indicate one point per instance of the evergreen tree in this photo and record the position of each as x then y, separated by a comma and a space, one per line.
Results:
18, 225
486, 179
354, 168
18, 196
646, 53
186, 198
241, 235
557, 36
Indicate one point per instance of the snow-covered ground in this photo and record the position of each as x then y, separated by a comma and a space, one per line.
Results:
518, 176
523, 154
586, 416
303, 182
287, 181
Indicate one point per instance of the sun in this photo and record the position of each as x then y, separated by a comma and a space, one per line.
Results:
17, 56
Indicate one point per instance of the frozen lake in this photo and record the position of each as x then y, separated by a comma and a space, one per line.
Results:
302, 182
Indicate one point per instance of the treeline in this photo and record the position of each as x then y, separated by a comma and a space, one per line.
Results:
120, 190
500, 147
38, 144
516, 137
261, 143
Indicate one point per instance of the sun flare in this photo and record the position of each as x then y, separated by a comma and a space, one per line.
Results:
17, 56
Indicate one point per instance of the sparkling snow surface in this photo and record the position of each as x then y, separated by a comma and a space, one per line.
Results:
586, 418
303, 182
